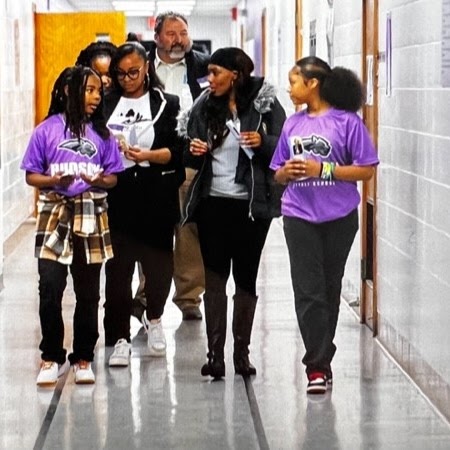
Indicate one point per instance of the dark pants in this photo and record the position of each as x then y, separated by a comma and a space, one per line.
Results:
318, 254
86, 284
157, 266
230, 240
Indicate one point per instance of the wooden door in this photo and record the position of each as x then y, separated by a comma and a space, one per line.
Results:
368, 307
298, 30
59, 39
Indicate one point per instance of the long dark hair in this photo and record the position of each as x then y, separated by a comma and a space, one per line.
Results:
152, 80
340, 87
68, 96
216, 108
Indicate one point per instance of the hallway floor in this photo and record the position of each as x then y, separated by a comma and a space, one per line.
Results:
164, 403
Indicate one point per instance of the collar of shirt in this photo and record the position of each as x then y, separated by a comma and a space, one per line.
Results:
159, 61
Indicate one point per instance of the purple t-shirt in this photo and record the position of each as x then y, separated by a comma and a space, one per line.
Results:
53, 150
336, 136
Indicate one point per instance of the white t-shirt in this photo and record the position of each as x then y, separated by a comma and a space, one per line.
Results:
132, 118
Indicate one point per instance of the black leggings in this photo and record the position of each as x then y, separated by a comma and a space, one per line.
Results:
230, 240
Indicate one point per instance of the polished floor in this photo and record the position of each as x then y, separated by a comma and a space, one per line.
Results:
164, 403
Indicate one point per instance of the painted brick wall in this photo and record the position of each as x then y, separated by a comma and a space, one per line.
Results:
16, 114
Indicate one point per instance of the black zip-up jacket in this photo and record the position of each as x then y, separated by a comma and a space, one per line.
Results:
146, 198
265, 115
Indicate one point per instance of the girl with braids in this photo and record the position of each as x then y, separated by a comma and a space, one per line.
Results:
72, 159
144, 206
233, 128
322, 152
97, 55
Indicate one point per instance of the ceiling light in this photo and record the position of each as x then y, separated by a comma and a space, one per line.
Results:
134, 6
142, 13
176, 4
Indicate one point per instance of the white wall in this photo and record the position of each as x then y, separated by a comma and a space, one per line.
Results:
16, 113
414, 222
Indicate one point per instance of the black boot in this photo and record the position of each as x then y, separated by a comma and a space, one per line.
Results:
216, 329
243, 313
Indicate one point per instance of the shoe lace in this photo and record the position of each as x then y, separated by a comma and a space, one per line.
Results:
121, 348
315, 375
82, 364
47, 365
157, 333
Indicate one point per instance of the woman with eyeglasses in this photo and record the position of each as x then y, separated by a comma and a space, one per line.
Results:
143, 207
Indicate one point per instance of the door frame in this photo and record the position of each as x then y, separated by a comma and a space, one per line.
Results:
370, 68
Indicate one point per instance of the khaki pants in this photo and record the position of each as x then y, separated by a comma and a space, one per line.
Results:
188, 274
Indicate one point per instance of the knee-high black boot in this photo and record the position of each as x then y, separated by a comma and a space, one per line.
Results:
216, 329
243, 313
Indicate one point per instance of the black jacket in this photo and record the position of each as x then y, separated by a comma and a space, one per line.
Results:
265, 115
146, 198
196, 66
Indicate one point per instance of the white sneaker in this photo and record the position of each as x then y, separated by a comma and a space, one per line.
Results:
156, 341
121, 354
49, 373
83, 372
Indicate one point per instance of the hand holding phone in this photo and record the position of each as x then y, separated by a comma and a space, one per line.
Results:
123, 144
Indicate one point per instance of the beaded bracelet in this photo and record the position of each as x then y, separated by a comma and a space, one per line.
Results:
327, 170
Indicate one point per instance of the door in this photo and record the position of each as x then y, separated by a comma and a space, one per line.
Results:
59, 39
298, 30
368, 306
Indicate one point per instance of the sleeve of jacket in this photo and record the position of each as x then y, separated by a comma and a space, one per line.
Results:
270, 129
191, 126
173, 141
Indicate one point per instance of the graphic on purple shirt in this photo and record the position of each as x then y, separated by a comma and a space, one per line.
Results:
336, 136
52, 150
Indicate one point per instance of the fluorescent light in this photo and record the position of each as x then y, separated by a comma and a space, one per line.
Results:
185, 11
176, 4
180, 6
139, 13
134, 6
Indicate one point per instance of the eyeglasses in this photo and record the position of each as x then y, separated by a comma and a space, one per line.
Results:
132, 74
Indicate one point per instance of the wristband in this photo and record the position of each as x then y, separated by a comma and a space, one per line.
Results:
327, 170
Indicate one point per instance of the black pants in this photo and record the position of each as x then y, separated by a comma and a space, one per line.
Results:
230, 240
86, 284
318, 254
157, 266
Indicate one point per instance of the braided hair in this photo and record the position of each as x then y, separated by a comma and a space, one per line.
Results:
59, 97
68, 96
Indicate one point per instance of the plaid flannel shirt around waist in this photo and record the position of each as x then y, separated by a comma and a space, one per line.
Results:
84, 215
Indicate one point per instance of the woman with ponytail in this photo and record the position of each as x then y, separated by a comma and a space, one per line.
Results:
322, 152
